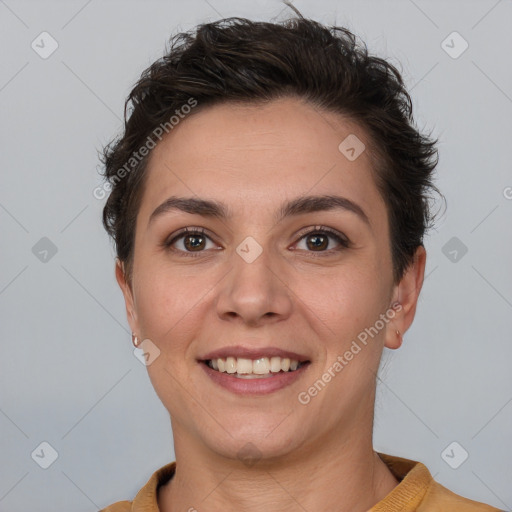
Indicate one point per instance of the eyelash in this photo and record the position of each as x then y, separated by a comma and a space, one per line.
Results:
323, 230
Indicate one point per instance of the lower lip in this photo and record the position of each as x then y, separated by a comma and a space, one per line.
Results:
257, 386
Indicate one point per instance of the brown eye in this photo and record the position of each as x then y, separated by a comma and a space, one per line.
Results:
189, 240
318, 240
194, 242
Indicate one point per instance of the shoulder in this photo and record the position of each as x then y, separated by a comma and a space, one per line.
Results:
418, 491
120, 506
147, 498
440, 499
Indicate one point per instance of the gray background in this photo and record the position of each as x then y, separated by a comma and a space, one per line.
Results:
68, 375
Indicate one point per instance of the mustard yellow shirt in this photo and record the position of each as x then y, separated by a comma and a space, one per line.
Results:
417, 491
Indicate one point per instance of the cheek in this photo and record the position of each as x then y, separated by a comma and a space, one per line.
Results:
341, 304
168, 309
348, 294
165, 299
173, 302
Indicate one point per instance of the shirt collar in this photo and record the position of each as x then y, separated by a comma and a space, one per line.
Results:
413, 476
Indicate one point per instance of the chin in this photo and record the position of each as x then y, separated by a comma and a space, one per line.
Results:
251, 442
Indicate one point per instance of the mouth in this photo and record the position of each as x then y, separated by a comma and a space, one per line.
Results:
252, 371
259, 368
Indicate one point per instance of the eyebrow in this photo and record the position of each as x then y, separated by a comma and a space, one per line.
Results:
294, 207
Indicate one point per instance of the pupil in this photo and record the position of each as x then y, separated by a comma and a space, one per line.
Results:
196, 244
316, 239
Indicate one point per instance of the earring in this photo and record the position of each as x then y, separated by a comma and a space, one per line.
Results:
399, 334
135, 340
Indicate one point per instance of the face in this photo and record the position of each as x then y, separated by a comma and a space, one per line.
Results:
253, 280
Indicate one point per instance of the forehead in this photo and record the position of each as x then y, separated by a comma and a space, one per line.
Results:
254, 156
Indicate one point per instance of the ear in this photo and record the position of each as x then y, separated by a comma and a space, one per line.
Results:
126, 288
406, 294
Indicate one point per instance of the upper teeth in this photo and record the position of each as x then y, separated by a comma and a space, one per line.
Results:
261, 366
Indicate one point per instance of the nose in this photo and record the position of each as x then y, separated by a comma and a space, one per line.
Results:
255, 292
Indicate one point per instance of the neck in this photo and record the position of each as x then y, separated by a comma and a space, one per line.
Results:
347, 477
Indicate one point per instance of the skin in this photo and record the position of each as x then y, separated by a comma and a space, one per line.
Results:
312, 301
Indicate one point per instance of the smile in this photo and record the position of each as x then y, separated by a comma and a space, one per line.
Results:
262, 367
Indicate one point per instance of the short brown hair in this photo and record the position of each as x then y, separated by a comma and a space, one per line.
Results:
238, 60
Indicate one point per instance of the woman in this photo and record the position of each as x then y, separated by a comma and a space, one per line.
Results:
269, 201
